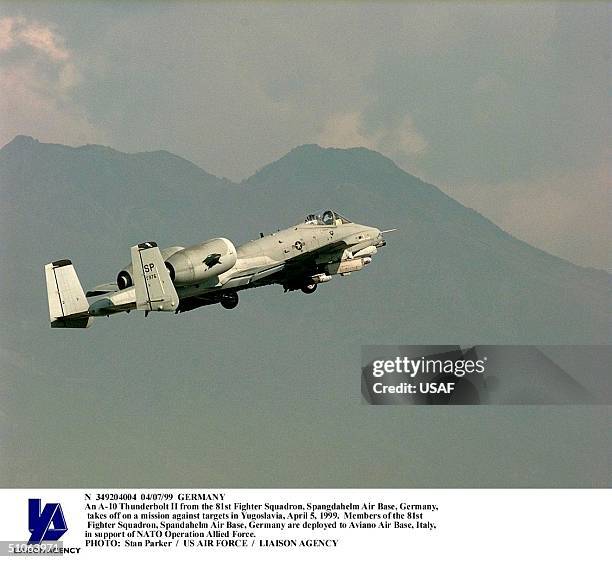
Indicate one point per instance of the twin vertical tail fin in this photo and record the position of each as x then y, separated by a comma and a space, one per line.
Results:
154, 288
68, 307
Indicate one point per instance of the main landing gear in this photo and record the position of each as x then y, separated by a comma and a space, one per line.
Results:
229, 300
309, 288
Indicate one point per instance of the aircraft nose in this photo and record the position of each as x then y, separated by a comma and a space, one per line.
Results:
380, 238
381, 233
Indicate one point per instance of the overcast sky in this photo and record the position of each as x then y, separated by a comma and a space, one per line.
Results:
505, 107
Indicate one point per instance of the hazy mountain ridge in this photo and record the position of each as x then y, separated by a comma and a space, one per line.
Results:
113, 396
108, 178
58, 158
299, 168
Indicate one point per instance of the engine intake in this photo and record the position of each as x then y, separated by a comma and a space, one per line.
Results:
125, 277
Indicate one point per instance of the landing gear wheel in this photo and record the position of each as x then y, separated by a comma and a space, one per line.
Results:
309, 288
229, 300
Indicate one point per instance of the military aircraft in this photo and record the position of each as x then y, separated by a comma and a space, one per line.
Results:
179, 279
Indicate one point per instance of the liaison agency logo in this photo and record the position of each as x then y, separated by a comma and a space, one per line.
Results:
48, 524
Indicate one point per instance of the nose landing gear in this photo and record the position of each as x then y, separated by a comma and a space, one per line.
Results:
229, 300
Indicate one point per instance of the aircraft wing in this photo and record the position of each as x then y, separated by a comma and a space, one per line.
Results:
253, 277
295, 267
289, 273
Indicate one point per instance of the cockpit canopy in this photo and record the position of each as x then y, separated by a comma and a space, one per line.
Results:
326, 217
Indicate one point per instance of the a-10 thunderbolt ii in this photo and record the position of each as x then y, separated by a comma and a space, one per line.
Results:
180, 279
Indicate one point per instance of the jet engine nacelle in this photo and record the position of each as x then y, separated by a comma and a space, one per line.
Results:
201, 262
125, 276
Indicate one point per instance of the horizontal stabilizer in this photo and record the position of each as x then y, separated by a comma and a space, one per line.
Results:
68, 307
102, 289
81, 322
154, 288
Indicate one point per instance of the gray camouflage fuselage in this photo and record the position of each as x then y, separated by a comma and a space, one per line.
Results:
299, 257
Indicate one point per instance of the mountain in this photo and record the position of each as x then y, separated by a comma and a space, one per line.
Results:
260, 395
448, 272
